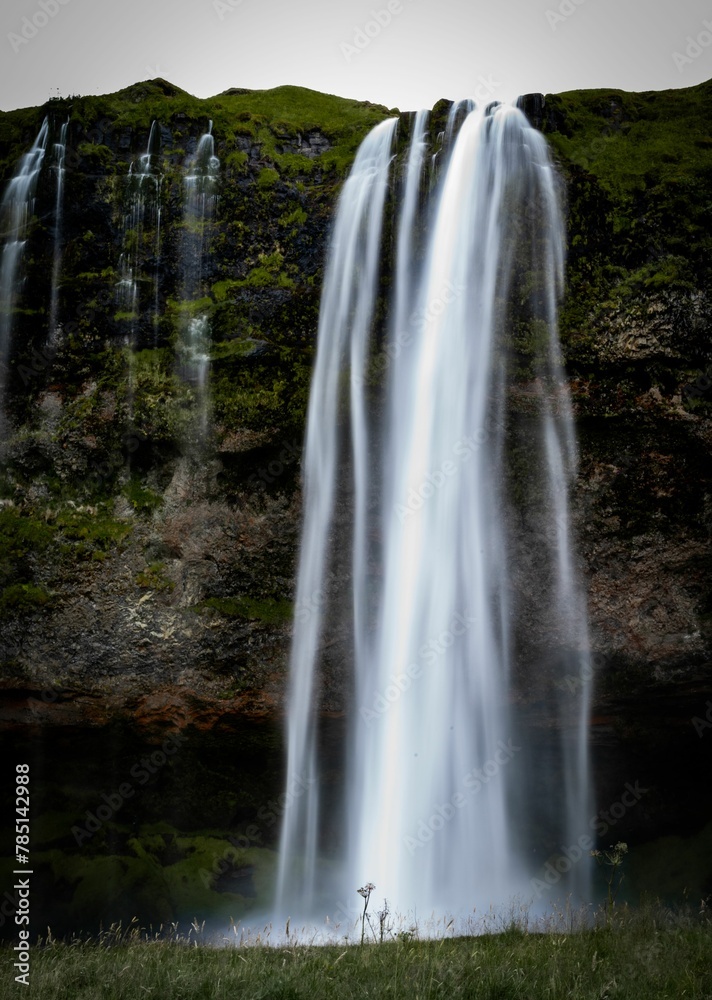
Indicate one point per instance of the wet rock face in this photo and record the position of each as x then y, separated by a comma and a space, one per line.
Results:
159, 567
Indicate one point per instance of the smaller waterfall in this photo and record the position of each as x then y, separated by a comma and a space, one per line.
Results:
456, 116
16, 211
459, 110
144, 186
200, 200
58, 159
405, 275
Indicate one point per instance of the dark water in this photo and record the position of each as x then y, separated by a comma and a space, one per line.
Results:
182, 825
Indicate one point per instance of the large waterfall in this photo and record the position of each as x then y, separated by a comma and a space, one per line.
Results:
439, 454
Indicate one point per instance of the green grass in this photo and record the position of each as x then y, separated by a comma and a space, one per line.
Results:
267, 115
651, 955
272, 612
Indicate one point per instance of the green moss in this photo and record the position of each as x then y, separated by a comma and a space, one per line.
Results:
97, 154
297, 217
231, 349
236, 160
267, 178
23, 597
669, 273
23, 540
269, 612
190, 307
90, 530
142, 499
161, 401
154, 578
222, 290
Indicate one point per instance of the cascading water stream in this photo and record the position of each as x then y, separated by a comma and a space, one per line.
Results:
456, 116
444, 796
201, 184
345, 320
59, 153
143, 192
459, 110
16, 211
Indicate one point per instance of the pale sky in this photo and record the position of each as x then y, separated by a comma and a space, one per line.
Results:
420, 51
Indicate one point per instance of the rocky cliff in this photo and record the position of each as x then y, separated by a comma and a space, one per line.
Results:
149, 574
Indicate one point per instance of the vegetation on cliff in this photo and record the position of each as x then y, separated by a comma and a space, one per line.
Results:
131, 558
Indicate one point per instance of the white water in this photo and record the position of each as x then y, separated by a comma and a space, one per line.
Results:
455, 496
345, 320
16, 211
200, 200
59, 153
144, 212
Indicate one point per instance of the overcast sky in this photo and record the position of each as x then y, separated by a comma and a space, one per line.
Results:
420, 51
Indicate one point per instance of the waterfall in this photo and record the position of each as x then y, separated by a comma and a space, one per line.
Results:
459, 110
16, 211
464, 600
199, 207
347, 306
59, 154
143, 194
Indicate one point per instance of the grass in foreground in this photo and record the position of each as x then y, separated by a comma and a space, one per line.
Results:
651, 955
